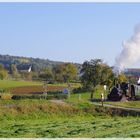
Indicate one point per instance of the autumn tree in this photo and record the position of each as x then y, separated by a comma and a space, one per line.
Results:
3, 72
121, 78
107, 75
65, 72
47, 75
14, 71
95, 72
69, 72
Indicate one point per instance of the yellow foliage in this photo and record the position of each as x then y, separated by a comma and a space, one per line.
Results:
6, 96
122, 78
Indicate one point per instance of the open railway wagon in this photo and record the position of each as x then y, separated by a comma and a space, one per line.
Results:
124, 91
137, 91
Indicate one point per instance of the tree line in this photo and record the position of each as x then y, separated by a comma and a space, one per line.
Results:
62, 73
91, 74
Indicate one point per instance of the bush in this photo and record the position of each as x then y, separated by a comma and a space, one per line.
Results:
2, 90
79, 90
47, 97
55, 92
6, 96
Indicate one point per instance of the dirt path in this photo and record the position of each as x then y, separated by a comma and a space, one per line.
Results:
119, 107
58, 101
99, 104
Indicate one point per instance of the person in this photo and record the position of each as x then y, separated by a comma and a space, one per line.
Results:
102, 98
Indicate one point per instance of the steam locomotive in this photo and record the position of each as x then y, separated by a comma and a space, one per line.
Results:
121, 91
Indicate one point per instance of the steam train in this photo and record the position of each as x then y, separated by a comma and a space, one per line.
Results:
127, 91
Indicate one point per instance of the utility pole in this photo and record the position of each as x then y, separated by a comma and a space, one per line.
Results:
69, 90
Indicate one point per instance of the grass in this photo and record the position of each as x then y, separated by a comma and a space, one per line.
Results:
73, 85
11, 83
19, 83
85, 97
72, 127
41, 118
77, 118
131, 104
79, 97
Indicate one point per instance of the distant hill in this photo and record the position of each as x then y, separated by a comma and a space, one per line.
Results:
25, 62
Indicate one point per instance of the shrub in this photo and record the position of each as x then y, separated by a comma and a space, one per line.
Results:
47, 97
55, 92
6, 96
2, 90
79, 90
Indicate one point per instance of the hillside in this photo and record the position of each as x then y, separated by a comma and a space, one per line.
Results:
24, 62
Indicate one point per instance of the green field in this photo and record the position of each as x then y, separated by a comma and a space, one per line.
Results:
16, 83
76, 126
41, 118
75, 117
11, 83
84, 98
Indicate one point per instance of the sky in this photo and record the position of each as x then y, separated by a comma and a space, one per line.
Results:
69, 32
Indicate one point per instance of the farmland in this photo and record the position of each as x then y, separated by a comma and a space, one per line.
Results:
34, 118
34, 89
29, 87
12, 83
75, 117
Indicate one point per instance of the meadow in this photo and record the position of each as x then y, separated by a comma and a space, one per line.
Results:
74, 117
14, 83
41, 118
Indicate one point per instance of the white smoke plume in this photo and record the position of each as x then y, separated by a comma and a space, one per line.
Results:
131, 51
